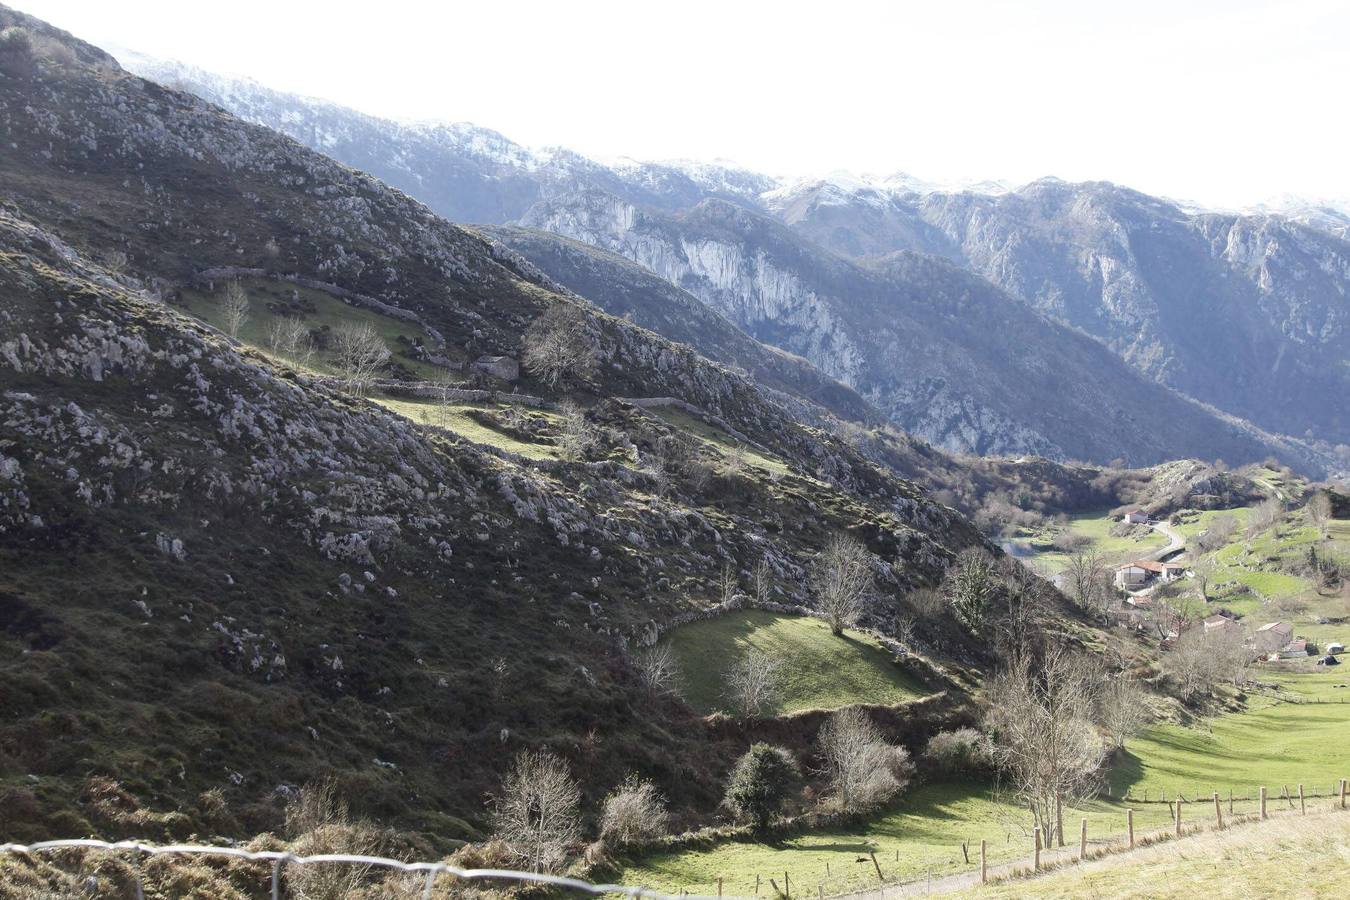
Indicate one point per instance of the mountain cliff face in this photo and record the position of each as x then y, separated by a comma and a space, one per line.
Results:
1250, 313
942, 352
1246, 313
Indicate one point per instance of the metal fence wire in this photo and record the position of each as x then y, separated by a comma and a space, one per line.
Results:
281, 859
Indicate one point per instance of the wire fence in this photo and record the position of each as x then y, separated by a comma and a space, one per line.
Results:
280, 859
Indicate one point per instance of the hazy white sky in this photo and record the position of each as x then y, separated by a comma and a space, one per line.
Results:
1226, 103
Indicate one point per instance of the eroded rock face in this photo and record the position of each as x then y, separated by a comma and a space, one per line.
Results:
944, 354
1247, 312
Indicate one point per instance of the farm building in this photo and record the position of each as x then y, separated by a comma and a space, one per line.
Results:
1218, 624
1143, 572
1294, 650
1273, 637
1136, 517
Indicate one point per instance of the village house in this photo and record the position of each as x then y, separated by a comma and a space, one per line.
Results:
1136, 517
1219, 624
1141, 573
1273, 637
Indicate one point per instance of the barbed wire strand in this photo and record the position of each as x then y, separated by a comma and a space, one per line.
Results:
280, 858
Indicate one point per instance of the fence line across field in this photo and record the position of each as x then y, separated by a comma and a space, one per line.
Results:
281, 858
975, 853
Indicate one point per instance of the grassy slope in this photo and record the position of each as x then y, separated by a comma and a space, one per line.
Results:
1288, 857
1272, 743
927, 830
1293, 736
820, 671
719, 439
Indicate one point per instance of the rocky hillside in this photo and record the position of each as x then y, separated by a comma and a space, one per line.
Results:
219, 576
1246, 313
946, 355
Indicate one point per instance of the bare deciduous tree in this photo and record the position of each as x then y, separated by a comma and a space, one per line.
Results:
575, 435
1041, 715
561, 346
728, 585
864, 771
658, 667
762, 582
359, 353
1087, 580
1269, 512
1022, 597
1122, 710
634, 814
289, 337
1319, 511
234, 309
841, 578
538, 814
1219, 532
753, 682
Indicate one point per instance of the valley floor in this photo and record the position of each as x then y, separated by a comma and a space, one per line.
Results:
1287, 736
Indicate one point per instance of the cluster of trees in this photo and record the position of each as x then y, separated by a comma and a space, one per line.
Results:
538, 814
861, 770
1199, 660
996, 596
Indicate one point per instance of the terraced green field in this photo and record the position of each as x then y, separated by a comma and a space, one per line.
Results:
1095, 528
456, 418
318, 310
819, 670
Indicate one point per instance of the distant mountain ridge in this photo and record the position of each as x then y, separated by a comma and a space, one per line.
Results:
1247, 313
941, 351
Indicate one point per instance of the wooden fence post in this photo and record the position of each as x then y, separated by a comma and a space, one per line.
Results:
1178, 822
1082, 841
1343, 793
756, 884
787, 887
1218, 811
984, 864
1263, 803
1036, 857
1302, 803
876, 865
719, 885
1230, 803
1129, 825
